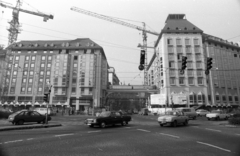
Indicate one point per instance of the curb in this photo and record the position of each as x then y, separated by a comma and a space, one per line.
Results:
227, 125
28, 127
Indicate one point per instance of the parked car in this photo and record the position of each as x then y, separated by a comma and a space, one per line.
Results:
143, 111
43, 111
173, 118
190, 112
202, 112
217, 115
22, 116
108, 118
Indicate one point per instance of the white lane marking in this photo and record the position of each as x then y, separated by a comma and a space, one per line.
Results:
213, 130
170, 135
1, 143
237, 134
213, 146
12, 141
64, 135
93, 131
30, 138
143, 130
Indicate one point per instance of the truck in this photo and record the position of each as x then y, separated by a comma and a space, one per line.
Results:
108, 118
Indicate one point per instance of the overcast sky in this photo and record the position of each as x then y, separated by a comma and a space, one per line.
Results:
219, 18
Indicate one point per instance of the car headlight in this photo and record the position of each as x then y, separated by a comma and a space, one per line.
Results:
169, 119
94, 121
11, 118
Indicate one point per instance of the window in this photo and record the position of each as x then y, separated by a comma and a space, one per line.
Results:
75, 65
30, 80
55, 90
172, 72
43, 58
179, 57
48, 72
65, 64
181, 81
40, 80
199, 64
195, 42
199, 73
172, 81
191, 98
26, 58
74, 80
33, 58
49, 65
170, 41
14, 80
224, 98
200, 99
178, 41
196, 49
191, 81
29, 89
23, 89
179, 49
170, 50
198, 56
49, 57
10, 58
82, 90
188, 49
24, 80
25, 73
57, 64
25, 65
56, 81
47, 81
75, 57
200, 81
171, 64
41, 72
12, 90
17, 58
236, 98
63, 90
187, 41
32, 65
14, 72
73, 90
31, 73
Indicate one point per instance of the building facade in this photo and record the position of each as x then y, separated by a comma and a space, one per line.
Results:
112, 77
75, 71
180, 38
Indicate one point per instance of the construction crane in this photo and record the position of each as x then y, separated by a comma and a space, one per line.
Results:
14, 28
114, 20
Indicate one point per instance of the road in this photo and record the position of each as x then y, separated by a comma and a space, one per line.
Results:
142, 137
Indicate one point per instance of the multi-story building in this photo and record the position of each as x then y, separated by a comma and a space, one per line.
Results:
76, 72
2, 70
112, 77
178, 38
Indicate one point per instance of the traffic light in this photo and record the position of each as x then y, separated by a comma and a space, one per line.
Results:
209, 65
45, 98
184, 64
142, 60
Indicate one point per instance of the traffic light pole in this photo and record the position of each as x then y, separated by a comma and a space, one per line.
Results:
48, 98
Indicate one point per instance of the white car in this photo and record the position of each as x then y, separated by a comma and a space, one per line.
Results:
190, 112
202, 112
173, 118
217, 115
44, 111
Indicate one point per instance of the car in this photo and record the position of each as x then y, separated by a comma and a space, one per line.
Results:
217, 115
22, 116
190, 112
173, 118
202, 112
108, 118
44, 111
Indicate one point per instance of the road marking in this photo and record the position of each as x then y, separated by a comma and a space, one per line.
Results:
170, 135
12, 141
30, 138
93, 131
64, 135
213, 130
143, 130
213, 146
237, 134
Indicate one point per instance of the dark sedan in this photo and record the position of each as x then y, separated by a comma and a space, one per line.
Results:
20, 117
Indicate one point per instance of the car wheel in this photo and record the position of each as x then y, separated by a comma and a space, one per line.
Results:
185, 123
208, 118
217, 118
124, 123
194, 118
161, 125
226, 118
103, 125
44, 120
91, 126
39, 122
174, 124
20, 122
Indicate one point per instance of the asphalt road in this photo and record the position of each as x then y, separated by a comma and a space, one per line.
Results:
142, 137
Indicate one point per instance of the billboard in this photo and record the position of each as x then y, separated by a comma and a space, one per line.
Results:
158, 99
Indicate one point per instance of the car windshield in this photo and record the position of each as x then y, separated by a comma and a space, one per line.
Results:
104, 114
171, 113
17, 112
215, 111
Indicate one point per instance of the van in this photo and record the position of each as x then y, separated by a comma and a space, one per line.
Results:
190, 112
43, 111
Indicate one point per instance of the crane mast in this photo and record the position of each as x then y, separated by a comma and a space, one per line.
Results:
14, 28
110, 19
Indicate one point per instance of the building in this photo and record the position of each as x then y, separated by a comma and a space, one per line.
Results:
75, 71
2, 70
178, 38
112, 77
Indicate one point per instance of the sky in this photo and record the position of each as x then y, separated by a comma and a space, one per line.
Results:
220, 18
